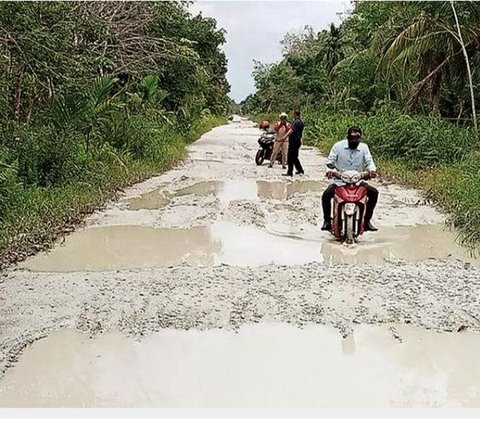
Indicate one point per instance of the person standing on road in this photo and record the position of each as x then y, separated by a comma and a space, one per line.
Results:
281, 142
294, 136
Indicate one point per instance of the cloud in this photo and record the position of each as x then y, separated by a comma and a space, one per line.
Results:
255, 29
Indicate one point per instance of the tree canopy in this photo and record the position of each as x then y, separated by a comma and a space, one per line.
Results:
50, 47
405, 53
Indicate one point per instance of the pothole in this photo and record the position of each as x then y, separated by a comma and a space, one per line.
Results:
130, 247
153, 200
369, 368
229, 190
283, 190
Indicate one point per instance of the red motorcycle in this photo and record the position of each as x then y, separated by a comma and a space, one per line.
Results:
349, 205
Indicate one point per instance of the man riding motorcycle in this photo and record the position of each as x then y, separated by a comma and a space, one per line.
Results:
350, 154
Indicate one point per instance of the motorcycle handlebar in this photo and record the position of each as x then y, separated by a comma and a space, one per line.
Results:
337, 174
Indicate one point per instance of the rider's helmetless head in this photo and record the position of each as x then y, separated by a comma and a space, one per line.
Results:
353, 136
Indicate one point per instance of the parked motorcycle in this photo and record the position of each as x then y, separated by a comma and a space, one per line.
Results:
266, 141
349, 205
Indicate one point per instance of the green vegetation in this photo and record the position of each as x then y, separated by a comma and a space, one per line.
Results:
408, 74
96, 96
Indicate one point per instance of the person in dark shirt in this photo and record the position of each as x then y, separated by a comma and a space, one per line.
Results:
294, 135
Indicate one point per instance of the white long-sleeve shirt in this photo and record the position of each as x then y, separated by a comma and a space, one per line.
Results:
345, 158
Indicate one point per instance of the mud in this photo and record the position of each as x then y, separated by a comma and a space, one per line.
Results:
150, 201
136, 247
131, 247
200, 188
373, 367
408, 243
284, 190
219, 246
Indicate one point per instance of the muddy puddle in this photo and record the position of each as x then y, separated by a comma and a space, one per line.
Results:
130, 247
283, 190
409, 243
127, 247
153, 200
263, 365
229, 190
200, 188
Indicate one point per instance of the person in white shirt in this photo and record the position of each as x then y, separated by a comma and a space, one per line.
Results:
281, 143
350, 154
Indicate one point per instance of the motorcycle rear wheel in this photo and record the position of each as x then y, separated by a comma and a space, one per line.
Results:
260, 156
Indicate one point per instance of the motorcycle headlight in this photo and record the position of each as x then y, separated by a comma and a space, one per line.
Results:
346, 179
355, 178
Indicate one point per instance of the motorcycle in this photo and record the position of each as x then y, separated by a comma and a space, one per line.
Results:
349, 204
266, 141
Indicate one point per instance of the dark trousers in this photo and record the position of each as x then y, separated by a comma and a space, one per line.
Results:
292, 157
329, 193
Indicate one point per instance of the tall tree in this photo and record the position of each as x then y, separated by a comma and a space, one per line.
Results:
425, 47
467, 63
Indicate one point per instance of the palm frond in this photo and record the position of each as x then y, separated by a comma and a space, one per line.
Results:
420, 86
101, 88
410, 34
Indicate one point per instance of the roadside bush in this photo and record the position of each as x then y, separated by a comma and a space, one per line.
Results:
145, 137
457, 189
47, 156
8, 181
421, 140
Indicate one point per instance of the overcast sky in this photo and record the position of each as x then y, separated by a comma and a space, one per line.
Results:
255, 28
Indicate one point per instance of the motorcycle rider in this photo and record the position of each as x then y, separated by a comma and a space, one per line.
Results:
350, 154
281, 143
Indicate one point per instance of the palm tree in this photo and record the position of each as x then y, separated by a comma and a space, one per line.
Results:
430, 44
87, 111
334, 48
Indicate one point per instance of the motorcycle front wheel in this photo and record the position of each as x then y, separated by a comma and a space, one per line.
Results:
260, 156
349, 232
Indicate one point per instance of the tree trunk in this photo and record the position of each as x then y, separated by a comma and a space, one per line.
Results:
460, 112
435, 84
17, 95
467, 63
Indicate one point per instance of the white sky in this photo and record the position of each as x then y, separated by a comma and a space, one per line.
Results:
255, 29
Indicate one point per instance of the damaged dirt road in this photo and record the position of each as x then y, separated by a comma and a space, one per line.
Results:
213, 286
